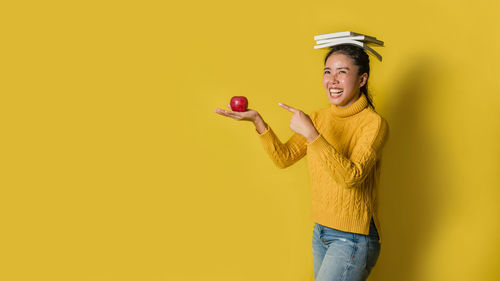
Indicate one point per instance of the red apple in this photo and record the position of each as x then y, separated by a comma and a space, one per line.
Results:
239, 103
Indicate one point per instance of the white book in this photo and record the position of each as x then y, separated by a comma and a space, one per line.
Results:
364, 38
352, 42
336, 35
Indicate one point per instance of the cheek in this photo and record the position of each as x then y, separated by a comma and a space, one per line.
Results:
325, 82
344, 83
349, 83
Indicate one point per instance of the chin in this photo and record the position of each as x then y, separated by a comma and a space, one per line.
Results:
338, 102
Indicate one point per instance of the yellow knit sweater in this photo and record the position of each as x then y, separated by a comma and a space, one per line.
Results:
344, 164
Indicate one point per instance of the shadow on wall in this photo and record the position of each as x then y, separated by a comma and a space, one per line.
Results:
411, 200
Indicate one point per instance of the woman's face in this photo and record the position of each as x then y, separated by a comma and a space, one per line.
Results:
341, 80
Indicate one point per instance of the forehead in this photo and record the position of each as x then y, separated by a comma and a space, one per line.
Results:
339, 60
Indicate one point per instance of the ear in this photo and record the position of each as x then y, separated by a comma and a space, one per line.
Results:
362, 79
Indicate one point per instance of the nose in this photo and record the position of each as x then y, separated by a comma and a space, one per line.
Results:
334, 78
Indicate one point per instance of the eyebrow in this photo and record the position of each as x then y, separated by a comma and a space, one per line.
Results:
343, 67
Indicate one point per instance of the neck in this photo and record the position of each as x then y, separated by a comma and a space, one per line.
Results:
353, 100
351, 109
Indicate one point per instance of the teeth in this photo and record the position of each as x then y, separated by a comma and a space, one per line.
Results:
335, 91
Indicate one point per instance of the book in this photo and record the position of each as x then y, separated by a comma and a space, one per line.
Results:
348, 37
364, 38
352, 42
336, 35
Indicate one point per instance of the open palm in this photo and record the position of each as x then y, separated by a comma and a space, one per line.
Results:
249, 115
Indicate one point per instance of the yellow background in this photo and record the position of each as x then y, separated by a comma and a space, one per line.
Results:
114, 165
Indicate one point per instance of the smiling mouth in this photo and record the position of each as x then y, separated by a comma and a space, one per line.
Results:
336, 93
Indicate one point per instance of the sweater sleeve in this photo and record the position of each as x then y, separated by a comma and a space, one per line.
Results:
351, 172
283, 154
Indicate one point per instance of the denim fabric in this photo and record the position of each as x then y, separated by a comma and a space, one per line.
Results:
343, 256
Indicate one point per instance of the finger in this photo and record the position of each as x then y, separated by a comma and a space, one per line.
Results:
289, 108
221, 111
227, 113
228, 106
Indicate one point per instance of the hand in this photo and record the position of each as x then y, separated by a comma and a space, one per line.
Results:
301, 123
249, 115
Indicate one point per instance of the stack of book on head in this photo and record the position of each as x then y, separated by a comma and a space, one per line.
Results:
348, 37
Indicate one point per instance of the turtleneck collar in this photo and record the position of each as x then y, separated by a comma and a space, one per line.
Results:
350, 110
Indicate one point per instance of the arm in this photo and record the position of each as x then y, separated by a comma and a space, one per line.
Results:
282, 154
351, 172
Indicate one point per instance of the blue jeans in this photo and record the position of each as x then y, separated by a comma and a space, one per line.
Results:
343, 256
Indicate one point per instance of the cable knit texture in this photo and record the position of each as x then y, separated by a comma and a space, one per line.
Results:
344, 164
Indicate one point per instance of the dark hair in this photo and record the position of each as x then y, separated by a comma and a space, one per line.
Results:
360, 59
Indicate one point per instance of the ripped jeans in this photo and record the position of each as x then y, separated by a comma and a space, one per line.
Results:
343, 256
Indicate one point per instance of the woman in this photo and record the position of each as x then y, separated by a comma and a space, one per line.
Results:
343, 144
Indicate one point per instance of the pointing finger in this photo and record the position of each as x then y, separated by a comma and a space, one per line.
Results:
289, 108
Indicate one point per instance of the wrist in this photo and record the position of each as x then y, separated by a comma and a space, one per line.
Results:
312, 136
260, 125
258, 120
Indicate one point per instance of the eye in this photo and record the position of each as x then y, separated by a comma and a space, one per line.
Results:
342, 71
326, 71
